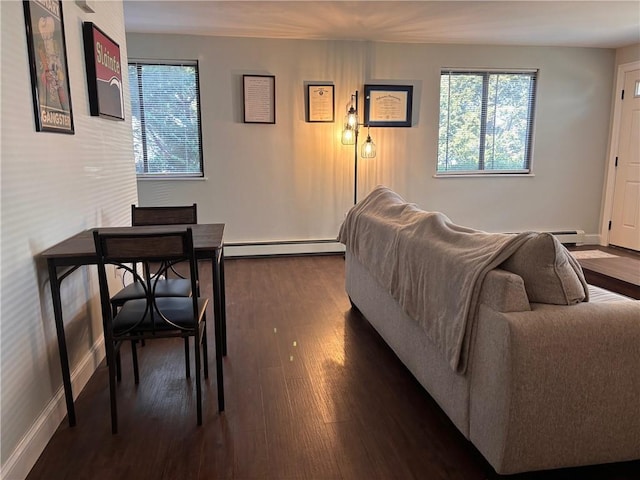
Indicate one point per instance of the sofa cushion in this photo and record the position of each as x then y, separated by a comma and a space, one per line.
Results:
550, 273
504, 292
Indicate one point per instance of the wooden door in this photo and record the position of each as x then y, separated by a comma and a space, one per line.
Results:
625, 218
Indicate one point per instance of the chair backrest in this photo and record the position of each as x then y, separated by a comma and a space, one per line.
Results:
173, 215
125, 250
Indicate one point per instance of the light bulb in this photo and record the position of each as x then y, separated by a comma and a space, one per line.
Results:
351, 119
368, 148
348, 135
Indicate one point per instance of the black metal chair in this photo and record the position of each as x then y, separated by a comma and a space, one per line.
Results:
166, 287
151, 316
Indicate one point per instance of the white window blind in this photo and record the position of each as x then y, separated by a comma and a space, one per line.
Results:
165, 110
486, 121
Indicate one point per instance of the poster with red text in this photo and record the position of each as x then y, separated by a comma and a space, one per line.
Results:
104, 73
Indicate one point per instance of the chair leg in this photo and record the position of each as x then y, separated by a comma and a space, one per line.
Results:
187, 360
118, 366
205, 350
112, 386
134, 357
198, 381
114, 311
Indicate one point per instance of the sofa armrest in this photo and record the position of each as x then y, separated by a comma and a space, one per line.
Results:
504, 292
558, 386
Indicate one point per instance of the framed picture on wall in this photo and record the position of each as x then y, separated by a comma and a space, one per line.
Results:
320, 103
48, 67
388, 105
259, 98
104, 73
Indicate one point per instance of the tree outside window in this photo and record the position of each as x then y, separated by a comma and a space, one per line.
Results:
486, 122
165, 111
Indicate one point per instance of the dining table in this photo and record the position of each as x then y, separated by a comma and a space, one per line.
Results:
78, 250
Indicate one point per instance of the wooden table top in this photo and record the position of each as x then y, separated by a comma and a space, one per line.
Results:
623, 268
207, 238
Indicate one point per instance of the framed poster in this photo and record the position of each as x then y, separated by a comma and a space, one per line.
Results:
104, 73
320, 103
388, 105
48, 66
259, 98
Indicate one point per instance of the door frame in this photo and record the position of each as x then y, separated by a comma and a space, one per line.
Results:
609, 181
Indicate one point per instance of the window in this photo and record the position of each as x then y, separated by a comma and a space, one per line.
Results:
486, 121
165, 111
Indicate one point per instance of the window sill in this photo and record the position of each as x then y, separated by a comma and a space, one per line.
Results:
171, 179
481, 175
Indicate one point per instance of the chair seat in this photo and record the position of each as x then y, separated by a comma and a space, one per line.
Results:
172, 287
179, 310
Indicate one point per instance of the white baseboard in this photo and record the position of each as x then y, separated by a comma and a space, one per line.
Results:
29, 449
284, 248
592, 239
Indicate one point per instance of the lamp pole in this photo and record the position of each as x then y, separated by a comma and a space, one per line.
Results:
355, 155
350, 137
355, 169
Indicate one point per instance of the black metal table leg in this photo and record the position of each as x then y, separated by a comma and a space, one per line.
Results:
217, 311
62, 342
223, 305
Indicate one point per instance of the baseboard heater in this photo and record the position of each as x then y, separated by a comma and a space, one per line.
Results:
570, 238
283, 248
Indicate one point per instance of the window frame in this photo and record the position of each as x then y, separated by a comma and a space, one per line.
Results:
172, 175
481, 171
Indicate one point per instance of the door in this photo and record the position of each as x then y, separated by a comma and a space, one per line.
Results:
625, 215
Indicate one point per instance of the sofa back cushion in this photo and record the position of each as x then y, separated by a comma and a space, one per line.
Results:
550, 273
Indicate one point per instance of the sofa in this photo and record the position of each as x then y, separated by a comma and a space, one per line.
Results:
536, 368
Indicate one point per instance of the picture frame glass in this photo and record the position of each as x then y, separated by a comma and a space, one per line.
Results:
104, 73
259, 93
48, 66
320, 103
388, 105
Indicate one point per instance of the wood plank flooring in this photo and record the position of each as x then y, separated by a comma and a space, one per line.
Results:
312, 392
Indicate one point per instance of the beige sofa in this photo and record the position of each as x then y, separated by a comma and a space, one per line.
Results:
545, 385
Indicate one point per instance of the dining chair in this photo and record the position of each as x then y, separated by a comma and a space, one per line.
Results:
151, 316
166, 287
171, 215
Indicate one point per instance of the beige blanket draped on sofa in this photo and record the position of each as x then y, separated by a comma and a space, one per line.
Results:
431, 266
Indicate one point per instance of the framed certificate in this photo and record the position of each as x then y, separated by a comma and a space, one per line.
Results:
388, 105
320, 103
259, 98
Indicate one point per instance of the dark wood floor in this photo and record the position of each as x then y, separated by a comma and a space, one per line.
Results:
312, 392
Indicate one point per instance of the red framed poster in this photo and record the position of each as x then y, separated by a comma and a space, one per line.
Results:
104, 73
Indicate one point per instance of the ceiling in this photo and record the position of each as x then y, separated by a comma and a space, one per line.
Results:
605, 24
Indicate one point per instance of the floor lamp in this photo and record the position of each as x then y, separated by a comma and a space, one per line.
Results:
350, 137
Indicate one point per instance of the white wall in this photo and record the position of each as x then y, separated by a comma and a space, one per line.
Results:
628, 54
294, 180
53, 186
